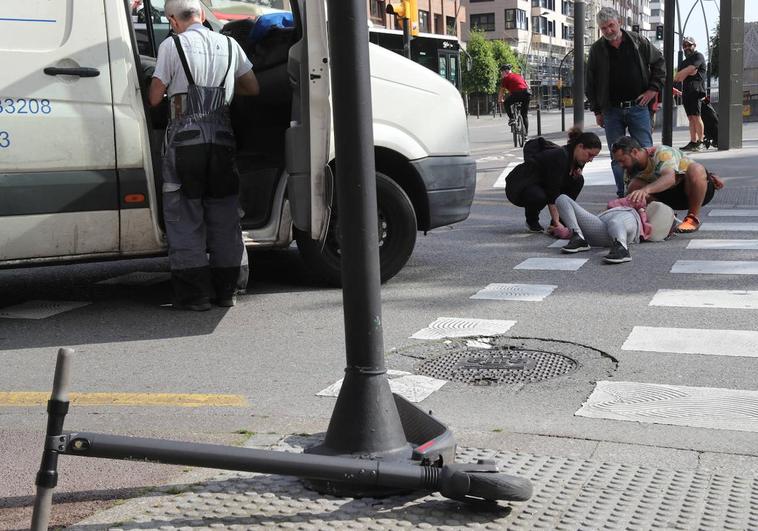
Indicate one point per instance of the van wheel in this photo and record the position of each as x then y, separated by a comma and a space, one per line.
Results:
397, 236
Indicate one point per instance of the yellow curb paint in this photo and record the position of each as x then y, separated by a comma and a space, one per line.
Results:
27, 399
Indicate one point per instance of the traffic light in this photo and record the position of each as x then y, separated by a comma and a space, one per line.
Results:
405, 9
659, 33
636, 28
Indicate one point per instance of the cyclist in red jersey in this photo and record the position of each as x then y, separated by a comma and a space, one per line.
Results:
518, 91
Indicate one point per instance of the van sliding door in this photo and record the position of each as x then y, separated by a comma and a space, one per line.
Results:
58, 184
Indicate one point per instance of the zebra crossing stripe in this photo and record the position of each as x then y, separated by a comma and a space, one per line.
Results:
729, 227
515, 292
676, 405
693, 341
460, 327
553, 264
500, 182
723, 244
707, 298
716, 267
557, 244
736, 212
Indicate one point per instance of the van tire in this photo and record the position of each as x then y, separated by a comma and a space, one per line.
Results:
398, 236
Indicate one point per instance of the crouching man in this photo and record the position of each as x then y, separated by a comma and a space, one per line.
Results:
663, 173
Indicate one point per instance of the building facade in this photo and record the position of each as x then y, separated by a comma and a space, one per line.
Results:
437, 17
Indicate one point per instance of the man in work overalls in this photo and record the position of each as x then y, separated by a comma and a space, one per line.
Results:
200, 71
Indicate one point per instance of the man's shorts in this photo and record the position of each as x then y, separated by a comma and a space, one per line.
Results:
676, 198
691, 101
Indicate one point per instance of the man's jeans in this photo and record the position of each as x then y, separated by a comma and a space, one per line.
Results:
617, 121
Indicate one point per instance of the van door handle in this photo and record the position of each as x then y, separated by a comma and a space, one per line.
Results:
81, 71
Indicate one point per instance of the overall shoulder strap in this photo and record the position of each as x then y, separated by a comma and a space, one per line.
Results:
183, 59
229, 64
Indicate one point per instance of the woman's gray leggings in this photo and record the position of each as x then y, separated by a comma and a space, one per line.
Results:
599, 230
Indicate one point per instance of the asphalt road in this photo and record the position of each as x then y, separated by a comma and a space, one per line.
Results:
284, 342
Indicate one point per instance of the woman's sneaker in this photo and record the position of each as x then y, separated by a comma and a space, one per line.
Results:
576, 244
618, 254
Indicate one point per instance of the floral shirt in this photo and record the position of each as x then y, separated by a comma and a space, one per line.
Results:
660, 157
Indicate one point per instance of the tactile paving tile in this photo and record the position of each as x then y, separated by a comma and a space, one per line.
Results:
458, 327
39, 309
515, 292
569, 494
556, 264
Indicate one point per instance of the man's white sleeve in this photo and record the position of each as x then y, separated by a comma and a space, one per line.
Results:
243, 63
163, 63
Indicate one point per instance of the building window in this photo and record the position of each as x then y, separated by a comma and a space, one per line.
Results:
376, 10
548, 4
516, 19
451, 26
567, 32
482, 21
540, 25
423, 21
567, 8
438, 29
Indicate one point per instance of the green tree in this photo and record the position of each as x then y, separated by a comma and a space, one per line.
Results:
482, 77
504, 54
715, 51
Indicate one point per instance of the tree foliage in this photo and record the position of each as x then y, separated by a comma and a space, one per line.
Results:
715, 51
482, 77
486, 59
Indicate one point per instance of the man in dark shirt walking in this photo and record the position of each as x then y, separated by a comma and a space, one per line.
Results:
691, 73
624, 73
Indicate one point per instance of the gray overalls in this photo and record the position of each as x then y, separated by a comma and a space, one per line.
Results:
200, 194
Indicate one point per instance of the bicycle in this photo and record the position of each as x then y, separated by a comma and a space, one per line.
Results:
518, 128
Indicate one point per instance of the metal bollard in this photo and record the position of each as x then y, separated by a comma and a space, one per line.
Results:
539, 122
563, 118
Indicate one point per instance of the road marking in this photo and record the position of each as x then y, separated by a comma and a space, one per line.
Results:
693, 341
706, 298
723, 244
500, 182
729, 227
413, 387
555, 264
698, 407
557, 244
33, 398
737, 212
515, 292
460, 327
716, 267
39, 309
598, 173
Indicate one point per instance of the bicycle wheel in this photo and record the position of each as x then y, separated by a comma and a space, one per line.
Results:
520, 135
514, 130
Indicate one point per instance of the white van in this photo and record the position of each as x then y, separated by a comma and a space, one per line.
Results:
79, 147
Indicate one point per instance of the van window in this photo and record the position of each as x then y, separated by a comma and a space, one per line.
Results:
34, 25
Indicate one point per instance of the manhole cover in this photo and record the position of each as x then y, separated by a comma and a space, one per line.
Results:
504, 360
498, 366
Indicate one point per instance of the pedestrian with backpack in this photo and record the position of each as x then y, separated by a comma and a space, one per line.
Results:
548, 171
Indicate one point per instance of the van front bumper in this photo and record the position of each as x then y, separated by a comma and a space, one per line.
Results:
450, 184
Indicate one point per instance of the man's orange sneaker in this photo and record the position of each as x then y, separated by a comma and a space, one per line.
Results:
690, 224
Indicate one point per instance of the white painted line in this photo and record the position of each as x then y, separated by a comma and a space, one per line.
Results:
723, 244
475, 343
557, 244
693, 341
515, 292
458, 327
716, 267
413, 387
500, 182
491, 158
706, 298
555, 264
698, 407
39, 309
729, 227
736, 212
138, 278
598, 173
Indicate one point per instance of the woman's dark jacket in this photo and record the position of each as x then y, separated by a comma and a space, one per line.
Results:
550, 170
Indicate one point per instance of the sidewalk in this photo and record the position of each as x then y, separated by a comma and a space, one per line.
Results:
569, 493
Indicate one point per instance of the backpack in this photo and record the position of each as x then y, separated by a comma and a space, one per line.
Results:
536, 146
